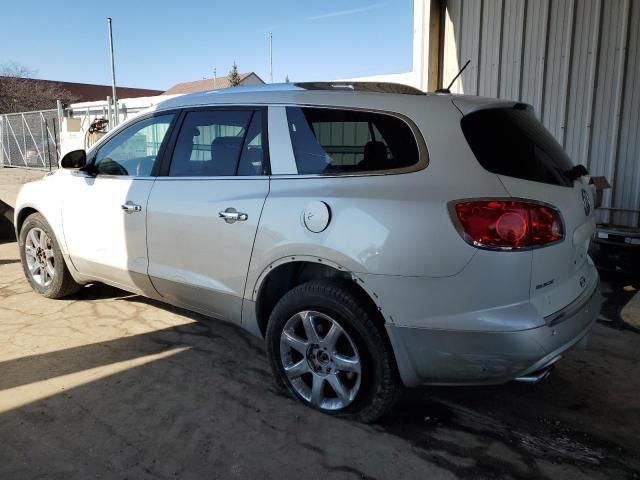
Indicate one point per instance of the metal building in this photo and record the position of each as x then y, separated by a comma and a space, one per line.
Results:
576, 61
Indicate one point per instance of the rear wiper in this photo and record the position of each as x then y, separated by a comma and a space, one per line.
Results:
576, 172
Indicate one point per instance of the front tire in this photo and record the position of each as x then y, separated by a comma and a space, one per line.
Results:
327, 350
42, 259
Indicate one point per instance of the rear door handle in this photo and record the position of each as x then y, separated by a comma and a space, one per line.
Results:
231, 215
131, 207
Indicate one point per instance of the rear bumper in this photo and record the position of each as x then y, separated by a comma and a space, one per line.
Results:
460, 357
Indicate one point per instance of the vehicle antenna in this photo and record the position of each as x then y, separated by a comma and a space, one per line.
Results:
448, 89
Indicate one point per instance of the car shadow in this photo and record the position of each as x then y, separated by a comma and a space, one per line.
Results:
99, 291
4, 261
7, 232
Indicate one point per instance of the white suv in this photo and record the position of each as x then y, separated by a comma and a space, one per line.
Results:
374, 235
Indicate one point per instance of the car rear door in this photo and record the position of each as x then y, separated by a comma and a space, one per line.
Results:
560, 273
530, 163
203, 213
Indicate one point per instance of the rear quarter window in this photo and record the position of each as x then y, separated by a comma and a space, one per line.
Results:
513, 142
340, 141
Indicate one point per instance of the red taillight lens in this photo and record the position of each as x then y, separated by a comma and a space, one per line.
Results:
506, 224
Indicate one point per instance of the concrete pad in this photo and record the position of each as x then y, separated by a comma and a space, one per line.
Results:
630, 313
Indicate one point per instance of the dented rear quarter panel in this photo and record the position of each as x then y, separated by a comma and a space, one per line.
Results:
394, 225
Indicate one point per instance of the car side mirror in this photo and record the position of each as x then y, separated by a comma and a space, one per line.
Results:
74, 160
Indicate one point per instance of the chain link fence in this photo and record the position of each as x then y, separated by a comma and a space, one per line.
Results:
35, 140
30, 139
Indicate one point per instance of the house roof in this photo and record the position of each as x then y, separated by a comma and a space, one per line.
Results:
87, 92
207, 84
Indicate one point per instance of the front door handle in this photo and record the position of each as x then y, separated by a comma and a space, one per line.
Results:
231, 215
131, 207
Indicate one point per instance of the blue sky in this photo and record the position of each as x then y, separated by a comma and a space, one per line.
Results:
162, 43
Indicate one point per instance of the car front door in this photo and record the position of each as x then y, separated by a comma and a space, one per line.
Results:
203, 214
104, 208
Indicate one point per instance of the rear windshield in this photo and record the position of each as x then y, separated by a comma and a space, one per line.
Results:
512, 142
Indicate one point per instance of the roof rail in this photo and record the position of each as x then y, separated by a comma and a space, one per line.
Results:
375, 87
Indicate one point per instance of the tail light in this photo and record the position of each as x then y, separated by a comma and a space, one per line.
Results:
508, 224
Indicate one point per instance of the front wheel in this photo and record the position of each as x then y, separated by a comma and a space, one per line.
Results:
42, 260
327, 350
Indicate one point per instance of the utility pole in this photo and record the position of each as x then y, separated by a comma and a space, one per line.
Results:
113, 74
270, 57
215, 74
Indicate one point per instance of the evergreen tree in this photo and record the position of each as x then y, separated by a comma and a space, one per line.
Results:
234, 76
286, 78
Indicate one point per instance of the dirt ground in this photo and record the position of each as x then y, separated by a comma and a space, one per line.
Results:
111, 385
11, 179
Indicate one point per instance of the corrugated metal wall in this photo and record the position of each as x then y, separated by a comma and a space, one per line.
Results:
576, 61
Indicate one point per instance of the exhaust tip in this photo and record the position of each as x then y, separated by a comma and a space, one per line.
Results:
540, 374
535, 377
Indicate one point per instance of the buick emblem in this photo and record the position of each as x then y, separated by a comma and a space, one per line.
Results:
583, 282
586, 202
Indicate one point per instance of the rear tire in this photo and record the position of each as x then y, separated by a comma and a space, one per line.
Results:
326, 348
42, 259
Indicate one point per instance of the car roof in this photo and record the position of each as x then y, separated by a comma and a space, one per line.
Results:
378, 95
289, 93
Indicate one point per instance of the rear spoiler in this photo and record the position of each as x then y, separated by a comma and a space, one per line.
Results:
467, 104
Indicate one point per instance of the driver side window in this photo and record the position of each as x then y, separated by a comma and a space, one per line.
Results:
133, 151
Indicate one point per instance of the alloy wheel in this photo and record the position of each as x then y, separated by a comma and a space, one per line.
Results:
320, 360
38, 249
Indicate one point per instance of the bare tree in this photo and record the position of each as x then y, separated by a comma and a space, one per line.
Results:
19, 92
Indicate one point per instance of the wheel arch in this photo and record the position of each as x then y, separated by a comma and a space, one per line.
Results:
29, 209
22, 214
286, 273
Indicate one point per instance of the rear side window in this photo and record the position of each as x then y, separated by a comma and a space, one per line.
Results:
513, 142
335, 141
215, 143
